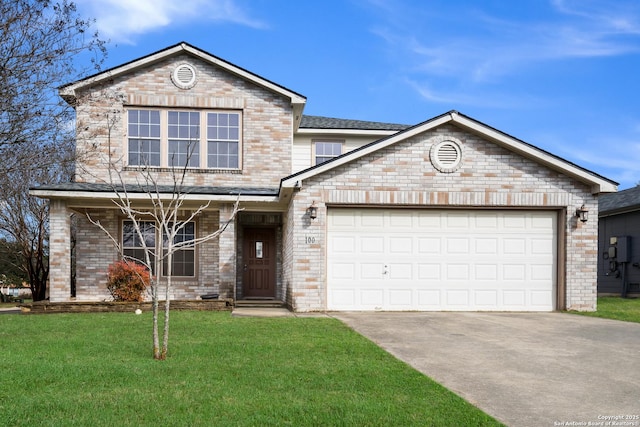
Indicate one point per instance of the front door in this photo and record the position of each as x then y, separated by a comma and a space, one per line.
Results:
259, 259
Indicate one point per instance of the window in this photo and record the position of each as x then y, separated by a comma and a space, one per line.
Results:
327, 150
144, 137
184, 259
223, 137
177, 138
132, 246
184, 136
183, 262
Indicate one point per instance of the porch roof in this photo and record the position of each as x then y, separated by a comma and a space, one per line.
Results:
94, 191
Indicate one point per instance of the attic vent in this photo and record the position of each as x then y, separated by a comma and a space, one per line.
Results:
184, 76
446, 155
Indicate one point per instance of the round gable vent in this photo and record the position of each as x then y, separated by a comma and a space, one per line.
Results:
184, 76
446, 155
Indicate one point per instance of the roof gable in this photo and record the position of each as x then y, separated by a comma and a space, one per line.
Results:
597, 183
69, 92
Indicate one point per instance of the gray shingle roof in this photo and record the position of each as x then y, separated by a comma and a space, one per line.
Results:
319, 122
625, 200
165, 189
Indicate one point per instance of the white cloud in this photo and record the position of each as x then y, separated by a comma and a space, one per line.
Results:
614, 158
122, 20
487, 47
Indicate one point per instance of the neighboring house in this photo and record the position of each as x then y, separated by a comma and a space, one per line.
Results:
449, 214
619, 243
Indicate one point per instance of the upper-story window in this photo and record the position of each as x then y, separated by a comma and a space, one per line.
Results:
179, 138
144, 137
327, 150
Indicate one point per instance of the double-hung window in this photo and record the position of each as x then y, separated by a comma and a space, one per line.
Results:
223, 138
184, 139
183, 260
206, 139
144, 137
327, 150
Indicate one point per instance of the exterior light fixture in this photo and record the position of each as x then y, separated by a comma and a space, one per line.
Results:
582, 213
313, 211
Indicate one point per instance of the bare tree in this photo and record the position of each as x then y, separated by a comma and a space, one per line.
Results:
39, 40
161, 207
25, 219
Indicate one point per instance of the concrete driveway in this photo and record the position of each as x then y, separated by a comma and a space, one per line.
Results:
539, 369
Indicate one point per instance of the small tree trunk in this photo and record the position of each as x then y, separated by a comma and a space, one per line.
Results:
167, 303
156, 338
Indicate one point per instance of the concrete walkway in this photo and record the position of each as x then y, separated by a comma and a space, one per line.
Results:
539, 369
271, 312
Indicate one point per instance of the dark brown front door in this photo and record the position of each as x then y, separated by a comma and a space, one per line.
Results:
259, 258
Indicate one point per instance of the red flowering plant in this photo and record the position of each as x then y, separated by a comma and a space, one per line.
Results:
127, 281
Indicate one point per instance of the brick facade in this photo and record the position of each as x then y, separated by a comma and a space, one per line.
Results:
267, 124
402, 174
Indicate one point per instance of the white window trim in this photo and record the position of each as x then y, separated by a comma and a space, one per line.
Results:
164, 137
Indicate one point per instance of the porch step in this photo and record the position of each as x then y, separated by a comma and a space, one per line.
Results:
259, 303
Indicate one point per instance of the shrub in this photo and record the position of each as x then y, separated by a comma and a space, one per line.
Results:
127, 281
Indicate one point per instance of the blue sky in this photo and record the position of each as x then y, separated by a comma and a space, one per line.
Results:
563, 75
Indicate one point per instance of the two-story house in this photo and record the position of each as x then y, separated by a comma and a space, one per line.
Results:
448, 214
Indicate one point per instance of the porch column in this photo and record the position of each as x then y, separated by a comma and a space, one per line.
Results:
59, 251
227, 245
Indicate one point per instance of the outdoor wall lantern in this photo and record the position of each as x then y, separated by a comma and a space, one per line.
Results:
313, 211
582, 213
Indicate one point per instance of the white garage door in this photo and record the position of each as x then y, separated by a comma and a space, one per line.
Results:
398, 259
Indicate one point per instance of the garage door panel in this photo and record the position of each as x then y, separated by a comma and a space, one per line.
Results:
514, 299
342, 271
486, 245
429, 245
457, 298
372, 298
441, 260
401, 298
342, 299
457, 245
429, 272
429, 299
401, 245
397, 271
486, 299
486, 272
541, 298
341, 244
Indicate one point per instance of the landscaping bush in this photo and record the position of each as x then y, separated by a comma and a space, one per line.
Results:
127, 281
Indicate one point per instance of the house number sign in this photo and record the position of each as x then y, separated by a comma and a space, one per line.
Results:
309, 240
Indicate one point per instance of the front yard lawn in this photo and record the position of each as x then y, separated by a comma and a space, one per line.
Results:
617, 308
97, 369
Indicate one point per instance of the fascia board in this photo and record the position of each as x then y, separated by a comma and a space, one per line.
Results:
598, 185
71, 89
363, 151
93, 195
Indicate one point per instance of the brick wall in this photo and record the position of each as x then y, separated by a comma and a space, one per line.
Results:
95, 251
402, 174
267, 120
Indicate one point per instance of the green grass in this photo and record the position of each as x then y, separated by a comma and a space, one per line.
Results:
97, 370
627, 309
